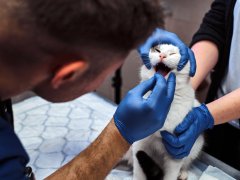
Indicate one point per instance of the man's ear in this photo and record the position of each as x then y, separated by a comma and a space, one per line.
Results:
68, 72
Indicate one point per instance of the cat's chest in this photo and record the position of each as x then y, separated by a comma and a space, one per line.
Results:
178, 110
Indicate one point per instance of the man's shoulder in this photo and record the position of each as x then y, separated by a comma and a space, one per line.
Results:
13, 157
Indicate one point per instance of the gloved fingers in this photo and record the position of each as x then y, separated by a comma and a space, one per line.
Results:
174, 151
187, 139
159, 90
157, 37
183, 139
188, 136
187, 55
184, 56
153, 40
145, 48
144, 87
181, 156
146, 61
171, 84
185, 124
203, 109
165, 37
171, 139
193, 65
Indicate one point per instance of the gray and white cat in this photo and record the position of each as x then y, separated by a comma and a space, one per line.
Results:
164, 59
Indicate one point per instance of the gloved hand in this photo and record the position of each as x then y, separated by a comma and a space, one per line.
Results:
136, 117
164, 37
187, 132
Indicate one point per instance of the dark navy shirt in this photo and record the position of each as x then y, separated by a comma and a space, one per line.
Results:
13, 157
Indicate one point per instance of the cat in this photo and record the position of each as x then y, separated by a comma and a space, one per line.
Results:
164, 59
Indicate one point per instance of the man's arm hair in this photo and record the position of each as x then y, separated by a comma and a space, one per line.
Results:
98, 159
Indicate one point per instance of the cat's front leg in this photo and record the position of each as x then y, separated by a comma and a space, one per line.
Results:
172, 169
138, 173
183, 175
143, 146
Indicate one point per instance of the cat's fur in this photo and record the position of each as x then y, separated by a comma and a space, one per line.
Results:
184, 100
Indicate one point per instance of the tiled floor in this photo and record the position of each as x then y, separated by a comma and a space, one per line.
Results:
54, 133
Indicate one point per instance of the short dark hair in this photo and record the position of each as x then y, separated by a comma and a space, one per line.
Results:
122, 23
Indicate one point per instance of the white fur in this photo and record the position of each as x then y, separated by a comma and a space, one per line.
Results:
184, 101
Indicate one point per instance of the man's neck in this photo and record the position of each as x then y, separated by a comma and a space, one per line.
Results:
12, 82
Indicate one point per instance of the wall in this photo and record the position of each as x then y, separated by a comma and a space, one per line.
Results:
186, 16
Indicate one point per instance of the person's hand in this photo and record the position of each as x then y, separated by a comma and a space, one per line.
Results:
187, 132
136, 117
160, 36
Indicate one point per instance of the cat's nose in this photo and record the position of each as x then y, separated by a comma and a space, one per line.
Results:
162, 56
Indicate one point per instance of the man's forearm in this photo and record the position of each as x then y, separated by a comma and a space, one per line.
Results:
225, 108
206, 54
98, 159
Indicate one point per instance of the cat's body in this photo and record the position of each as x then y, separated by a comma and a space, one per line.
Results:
184, 100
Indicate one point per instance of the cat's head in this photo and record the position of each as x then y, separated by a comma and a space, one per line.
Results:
164, 59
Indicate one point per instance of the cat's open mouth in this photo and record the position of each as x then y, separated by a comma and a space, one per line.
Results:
162, 69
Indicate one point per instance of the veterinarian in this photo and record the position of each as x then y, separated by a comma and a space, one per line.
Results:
216, 46
63, 49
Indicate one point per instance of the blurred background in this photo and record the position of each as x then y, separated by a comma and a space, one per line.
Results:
183, 17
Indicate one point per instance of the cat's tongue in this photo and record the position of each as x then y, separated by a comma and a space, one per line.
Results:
162, 69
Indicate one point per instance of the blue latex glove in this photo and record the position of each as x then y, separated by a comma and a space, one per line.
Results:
136, 117
187, 132
164, 37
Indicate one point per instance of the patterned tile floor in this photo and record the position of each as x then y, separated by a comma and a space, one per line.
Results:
54, 133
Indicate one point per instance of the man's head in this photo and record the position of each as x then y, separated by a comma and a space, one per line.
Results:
65, 48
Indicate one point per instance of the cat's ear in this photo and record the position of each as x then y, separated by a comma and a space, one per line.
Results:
68, 72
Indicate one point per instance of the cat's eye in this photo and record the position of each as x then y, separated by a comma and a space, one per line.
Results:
172, 53
157, 50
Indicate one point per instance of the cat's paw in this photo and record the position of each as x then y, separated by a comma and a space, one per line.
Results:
183, 175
